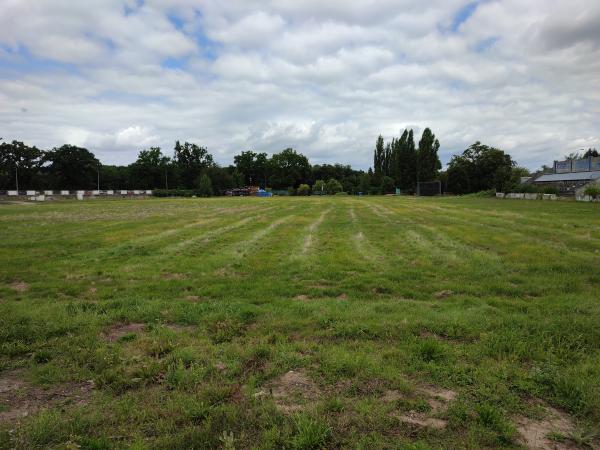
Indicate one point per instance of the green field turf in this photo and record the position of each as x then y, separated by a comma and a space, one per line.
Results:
338, 322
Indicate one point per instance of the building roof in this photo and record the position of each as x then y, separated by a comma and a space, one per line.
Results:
571, 176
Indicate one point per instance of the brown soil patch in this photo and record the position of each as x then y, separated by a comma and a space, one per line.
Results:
19, 286
20, 399
342, 297
430, 335
302, 297
292, 391
443, 294
116, 332
193, 298
534, 432
420, 420
390, 396
92, 290
220, 366
180, 328
438, 400
173, 276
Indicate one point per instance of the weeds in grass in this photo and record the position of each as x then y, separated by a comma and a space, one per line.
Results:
310, 434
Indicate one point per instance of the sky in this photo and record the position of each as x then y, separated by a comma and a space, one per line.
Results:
323, 77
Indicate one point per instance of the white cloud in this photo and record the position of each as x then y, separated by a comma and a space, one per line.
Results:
323, 77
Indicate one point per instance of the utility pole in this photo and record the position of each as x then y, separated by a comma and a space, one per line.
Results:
98, 177
17, 176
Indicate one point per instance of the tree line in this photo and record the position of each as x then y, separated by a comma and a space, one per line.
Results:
400, 163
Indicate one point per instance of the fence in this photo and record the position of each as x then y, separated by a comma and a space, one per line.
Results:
33, 195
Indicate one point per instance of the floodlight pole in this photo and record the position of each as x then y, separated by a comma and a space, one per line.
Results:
17, 176
98, 170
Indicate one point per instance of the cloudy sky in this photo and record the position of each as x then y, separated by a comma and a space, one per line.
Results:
323, 77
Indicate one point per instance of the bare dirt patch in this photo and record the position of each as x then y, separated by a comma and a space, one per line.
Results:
535, 432
291, 392
438, 400
302, 297
116, 332
173, 276
19, 286
193, 298
391, 395
443, 294
342, 297
181, 328
20, 399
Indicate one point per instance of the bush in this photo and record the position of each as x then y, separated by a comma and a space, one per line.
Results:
204, 186
319, 187
549, 190
488, 193
303, 189
333, 186
593, 191
341, 193
175, 193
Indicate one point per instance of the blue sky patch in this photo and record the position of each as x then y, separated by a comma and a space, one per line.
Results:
463, 15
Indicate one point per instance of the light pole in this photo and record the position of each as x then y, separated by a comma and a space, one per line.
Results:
98, 185
17, 176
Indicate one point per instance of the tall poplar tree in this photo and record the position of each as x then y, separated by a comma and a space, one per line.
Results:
407, 155
428, 162
378, 157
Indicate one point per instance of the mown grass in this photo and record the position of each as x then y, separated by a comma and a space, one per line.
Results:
498, 301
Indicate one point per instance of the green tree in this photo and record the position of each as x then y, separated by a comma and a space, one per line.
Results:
481, 168
319, 187
253, 167
204, 186
333, 186
378, 158
303, 189
289, 168
191, 160
428, 162
150, 170
407, 162
364, 185
387, 185
72, 167
21, 161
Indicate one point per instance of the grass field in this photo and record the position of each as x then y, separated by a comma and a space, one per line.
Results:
333, 322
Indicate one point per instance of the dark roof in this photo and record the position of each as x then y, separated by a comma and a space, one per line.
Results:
571, 176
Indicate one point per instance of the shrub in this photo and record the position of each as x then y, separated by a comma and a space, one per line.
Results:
593, 191
488, 193
175, 193
387, 185
318, 187
550, 190
333, 186
303, 189
341, 193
